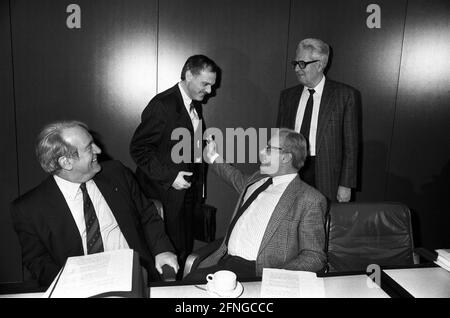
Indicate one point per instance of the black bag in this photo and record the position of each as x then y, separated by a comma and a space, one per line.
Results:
205, 223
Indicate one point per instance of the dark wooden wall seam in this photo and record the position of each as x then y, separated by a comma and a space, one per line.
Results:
388, 167
287, 44
157, 45
14, 96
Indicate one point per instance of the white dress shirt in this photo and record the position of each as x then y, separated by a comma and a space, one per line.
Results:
187, 103
249, 230
315, 113
112, 237
192, 114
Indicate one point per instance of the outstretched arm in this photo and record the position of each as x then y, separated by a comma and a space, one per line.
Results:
227, 172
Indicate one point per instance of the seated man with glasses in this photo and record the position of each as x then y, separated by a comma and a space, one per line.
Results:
278, 221
326, 113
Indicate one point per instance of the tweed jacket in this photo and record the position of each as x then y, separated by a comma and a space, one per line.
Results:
295, 235
337, 133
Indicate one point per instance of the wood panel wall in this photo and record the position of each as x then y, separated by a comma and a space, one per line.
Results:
128, 50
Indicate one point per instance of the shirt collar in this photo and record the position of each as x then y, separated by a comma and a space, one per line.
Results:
186, 100
319, 87
69, 189
282, 179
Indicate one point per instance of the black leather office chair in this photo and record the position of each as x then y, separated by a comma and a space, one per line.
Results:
360, 234
196, 257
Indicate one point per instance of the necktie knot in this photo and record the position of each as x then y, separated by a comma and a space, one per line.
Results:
83, 188
311, 91
192, 107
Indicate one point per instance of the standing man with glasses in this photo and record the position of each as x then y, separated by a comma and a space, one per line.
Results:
326, 113
85, 207
178, 185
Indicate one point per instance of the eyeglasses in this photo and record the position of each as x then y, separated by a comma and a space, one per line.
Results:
269, 148
302, 64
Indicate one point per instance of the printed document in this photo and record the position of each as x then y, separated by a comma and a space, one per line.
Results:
90, 275
281, 283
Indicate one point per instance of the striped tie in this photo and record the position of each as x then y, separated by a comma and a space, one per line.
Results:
93, 237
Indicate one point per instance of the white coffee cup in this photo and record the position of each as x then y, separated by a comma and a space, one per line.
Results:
222, 281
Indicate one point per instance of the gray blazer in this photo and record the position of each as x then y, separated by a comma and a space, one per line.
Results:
295, 235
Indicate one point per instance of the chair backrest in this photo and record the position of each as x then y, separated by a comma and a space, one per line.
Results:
360, 234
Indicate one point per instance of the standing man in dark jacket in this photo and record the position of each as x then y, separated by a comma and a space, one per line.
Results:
178, 185
326, 114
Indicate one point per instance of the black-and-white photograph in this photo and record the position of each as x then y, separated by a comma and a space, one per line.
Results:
206, 152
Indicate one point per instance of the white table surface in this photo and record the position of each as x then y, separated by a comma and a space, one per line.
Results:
419, 282
354, 286
430, 282
23, 295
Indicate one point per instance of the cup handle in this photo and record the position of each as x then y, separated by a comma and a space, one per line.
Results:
209, 277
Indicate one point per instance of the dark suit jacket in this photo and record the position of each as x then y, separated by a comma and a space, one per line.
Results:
48, 233
337, 133
151, 145
295, 235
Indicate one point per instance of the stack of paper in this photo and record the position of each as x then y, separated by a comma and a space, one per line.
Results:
443, 258
281, 283
109, 273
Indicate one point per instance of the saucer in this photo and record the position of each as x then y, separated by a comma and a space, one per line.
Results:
235, 293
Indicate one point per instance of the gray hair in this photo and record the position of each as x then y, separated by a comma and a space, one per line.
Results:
50, 145
295, 144
320, 50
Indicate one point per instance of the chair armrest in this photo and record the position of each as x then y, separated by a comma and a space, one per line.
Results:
426, 254
196, 257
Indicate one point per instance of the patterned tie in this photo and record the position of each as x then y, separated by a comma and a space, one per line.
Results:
194, 116
247, 203
306, 122
197, 151
93, 236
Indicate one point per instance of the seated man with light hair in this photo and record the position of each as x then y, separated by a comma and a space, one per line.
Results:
84, 208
